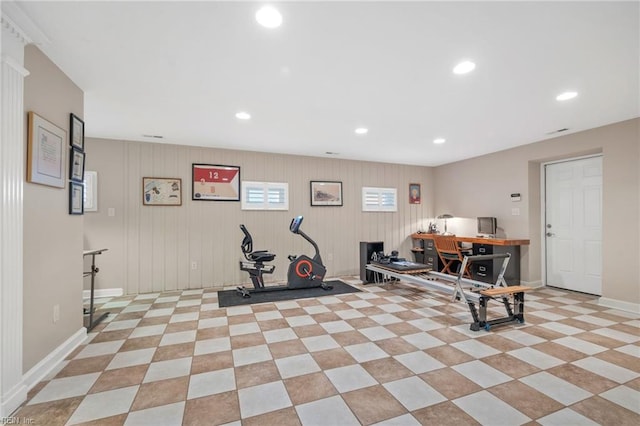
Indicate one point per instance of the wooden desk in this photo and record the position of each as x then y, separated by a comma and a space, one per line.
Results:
485, 271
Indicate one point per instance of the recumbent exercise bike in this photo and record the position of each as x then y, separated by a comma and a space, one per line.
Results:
304, 272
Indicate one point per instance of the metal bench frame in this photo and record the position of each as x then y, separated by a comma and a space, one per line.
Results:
468, 290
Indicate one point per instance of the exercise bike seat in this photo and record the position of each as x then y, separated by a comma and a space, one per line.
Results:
254, 255
261, 256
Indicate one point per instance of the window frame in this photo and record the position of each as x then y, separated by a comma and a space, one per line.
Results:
246, 203
381, 193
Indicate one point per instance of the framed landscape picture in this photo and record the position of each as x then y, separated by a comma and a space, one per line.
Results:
326, 193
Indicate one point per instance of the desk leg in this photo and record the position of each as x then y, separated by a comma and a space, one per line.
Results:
94, 271
93, 276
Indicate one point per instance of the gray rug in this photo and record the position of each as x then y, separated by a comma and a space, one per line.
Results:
228, 298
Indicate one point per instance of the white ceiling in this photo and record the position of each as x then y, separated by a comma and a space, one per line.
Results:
183, 69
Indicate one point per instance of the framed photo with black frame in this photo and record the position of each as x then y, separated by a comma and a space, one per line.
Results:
326, 193
76, 198
214, 182
76, 165
76, 126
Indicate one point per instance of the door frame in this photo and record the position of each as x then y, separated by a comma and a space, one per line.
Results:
543, 208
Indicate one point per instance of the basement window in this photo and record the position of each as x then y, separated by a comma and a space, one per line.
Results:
379, 199
265, 196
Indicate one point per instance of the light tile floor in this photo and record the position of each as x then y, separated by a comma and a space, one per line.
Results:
392, 354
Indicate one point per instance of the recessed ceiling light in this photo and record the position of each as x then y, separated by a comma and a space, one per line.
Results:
566, 96
464, 67
439, 140
269, 17
243, 115
362, 131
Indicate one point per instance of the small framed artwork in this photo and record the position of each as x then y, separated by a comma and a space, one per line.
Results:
76, 127
326, 193
76, 198
213, 182
76, 165
46, 147
414, 193
161, 191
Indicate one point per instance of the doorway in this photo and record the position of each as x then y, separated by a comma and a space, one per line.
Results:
573, 224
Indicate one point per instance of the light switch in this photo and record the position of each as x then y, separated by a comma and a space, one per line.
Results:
111, 212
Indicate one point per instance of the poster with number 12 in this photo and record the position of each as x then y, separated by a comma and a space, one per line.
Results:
213, 182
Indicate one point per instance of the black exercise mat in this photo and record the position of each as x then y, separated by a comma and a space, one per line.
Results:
228, 298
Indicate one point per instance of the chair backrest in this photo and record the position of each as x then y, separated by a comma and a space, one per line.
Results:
247, 242
446, 244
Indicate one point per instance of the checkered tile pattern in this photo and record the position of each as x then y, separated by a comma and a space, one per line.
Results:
391, 355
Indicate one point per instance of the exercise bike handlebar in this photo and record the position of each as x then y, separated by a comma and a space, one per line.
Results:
295, 228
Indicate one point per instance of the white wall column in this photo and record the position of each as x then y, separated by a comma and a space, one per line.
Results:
12, 123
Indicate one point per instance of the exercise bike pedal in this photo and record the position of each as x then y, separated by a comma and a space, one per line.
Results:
243, 291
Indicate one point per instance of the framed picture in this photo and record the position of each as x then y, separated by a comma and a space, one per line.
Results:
76, 127
212, 182
46, 147
161, 191
76, 165
326, 193
414, 193
76, 196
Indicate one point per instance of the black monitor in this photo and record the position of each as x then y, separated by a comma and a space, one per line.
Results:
487, 226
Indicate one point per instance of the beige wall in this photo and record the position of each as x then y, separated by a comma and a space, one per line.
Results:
52, 237
481, 186
151, 248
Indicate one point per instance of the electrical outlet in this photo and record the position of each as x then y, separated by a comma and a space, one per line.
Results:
194, 264
330, 257
56, 313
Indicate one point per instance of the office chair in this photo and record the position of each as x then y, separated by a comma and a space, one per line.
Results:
450, 252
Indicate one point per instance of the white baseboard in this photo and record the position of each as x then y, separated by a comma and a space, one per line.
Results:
39, 371
12, 400
619, 304
532, 284
102, 292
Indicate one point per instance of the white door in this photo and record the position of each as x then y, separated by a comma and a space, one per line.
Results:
573, 224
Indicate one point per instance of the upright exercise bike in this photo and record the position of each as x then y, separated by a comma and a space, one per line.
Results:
304, 272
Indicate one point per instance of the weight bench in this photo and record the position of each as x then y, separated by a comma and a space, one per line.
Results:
476, 291
513, 315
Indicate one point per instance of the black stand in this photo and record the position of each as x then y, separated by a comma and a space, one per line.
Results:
94, 270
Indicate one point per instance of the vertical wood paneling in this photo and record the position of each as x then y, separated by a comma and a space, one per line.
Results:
11, 229
161, 242
133, 211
